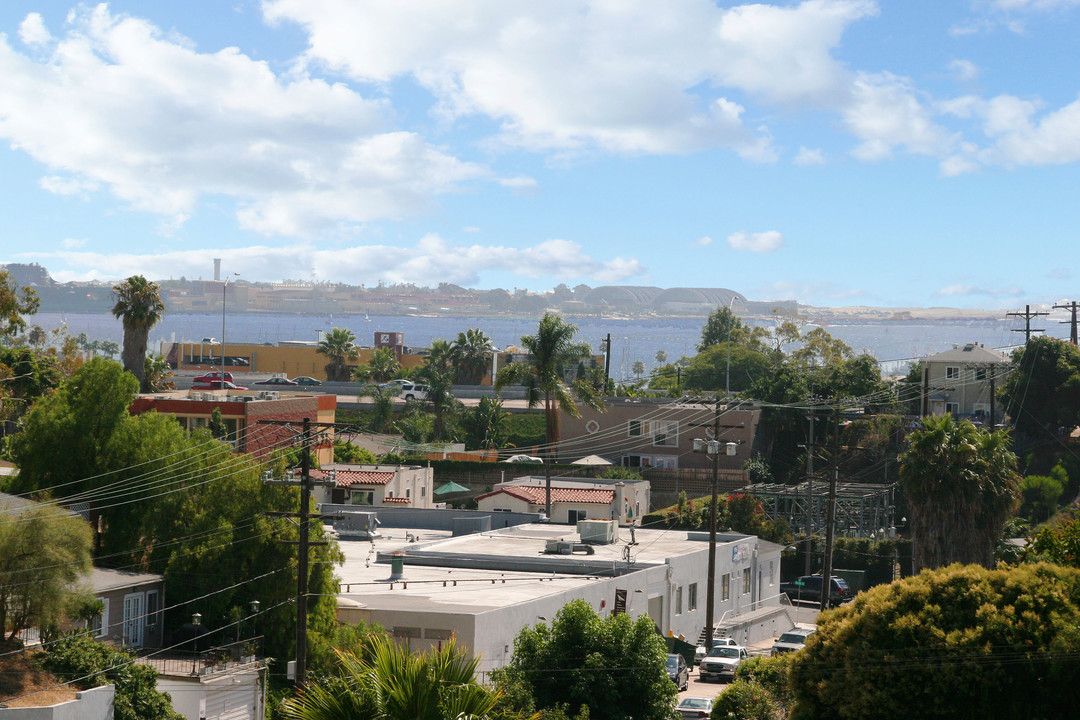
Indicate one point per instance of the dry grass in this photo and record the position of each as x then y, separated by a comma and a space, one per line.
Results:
19, 675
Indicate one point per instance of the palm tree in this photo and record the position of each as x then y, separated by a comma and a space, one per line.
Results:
158, 374
382, 405
551, 352
339, 345
962, 486
389, 682
440, 397
382, 366
139, 306
638, 368
471, 356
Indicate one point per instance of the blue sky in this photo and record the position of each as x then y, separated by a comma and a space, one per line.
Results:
835, 152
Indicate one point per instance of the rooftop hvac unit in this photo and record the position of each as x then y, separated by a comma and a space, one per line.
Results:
357, 524
267, 395
598, 532
565, 547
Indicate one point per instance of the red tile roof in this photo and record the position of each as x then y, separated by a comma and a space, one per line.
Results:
401, 500
348, 478
538, 495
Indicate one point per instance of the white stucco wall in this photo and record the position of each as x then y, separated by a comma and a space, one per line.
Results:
93, 704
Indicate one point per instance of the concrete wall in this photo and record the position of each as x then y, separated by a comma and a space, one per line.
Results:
186, 694
93, 704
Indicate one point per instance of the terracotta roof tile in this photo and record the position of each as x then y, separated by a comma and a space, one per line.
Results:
399, 500
537, 495
348, 478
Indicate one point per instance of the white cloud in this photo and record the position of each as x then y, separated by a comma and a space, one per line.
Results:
627, 77
432, 260
809, 156
956, 289
964, 70
762, 242
67, 185
470, 229
161, 125
887, 114
73, 243
704, 241
32, 30
520, 183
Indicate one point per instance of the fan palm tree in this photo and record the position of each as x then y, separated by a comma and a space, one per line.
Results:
339, 346
382, 405
471, 356
962, 486
551, 353
382, 366
139, 307
391, 683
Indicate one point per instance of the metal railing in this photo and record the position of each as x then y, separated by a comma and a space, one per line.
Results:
205, 662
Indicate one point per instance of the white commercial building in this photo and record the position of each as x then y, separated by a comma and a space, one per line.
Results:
424, 585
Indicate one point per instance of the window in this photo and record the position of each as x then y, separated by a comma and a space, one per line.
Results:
980, 373
725, 587
423, 491
151, 609
746, 581
362, 497
408, 492
665, 462
691, 596
575, 516
952, 408
665, 432
678, 600
634, 428
952, 372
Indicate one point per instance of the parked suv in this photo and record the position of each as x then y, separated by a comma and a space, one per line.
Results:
677, 671
722, 662
791, 641
414, 391
808, 588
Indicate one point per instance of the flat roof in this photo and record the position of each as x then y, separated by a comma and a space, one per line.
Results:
492, 569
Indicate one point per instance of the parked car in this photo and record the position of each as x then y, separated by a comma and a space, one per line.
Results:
791, 641
524, 459
695, 707
414, 391
702, 651
722, 662
278, 381
213, 375
305, 380
808, 588
677, 671
216, 385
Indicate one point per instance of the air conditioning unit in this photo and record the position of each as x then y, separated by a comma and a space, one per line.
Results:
598, 532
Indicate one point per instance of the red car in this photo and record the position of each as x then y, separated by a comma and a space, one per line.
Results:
216, 385
212, 376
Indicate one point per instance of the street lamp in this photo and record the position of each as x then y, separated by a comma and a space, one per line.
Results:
223, 288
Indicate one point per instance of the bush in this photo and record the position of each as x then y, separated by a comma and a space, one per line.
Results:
745, 700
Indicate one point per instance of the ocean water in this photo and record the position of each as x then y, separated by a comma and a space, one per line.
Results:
893, 344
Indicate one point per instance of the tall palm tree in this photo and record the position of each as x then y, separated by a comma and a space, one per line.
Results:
391, 683
962, 486
382, 405
471, 356
338, 345
552, 353
139, 306
382, 366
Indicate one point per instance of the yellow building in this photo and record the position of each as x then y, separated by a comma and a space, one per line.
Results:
290, 359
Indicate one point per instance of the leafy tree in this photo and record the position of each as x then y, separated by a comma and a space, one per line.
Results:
44, 551
819, 349
15, 302
743, 700
158, 374
1058, 544
140, 307
137, 698
390, 682
471, 354
618, 472
1043, 394
339, 346
346, 452
722, 325
638, 368
961, 486
1040, 494
25, 375
486, 425
382, 366
551, 352
708, 370
613, 665
382, 410
961, 641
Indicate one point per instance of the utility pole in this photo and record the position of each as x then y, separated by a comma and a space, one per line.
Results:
809, 493
304, 518
607, 372
1027, 315
711, 582
830, 520
1072, 332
